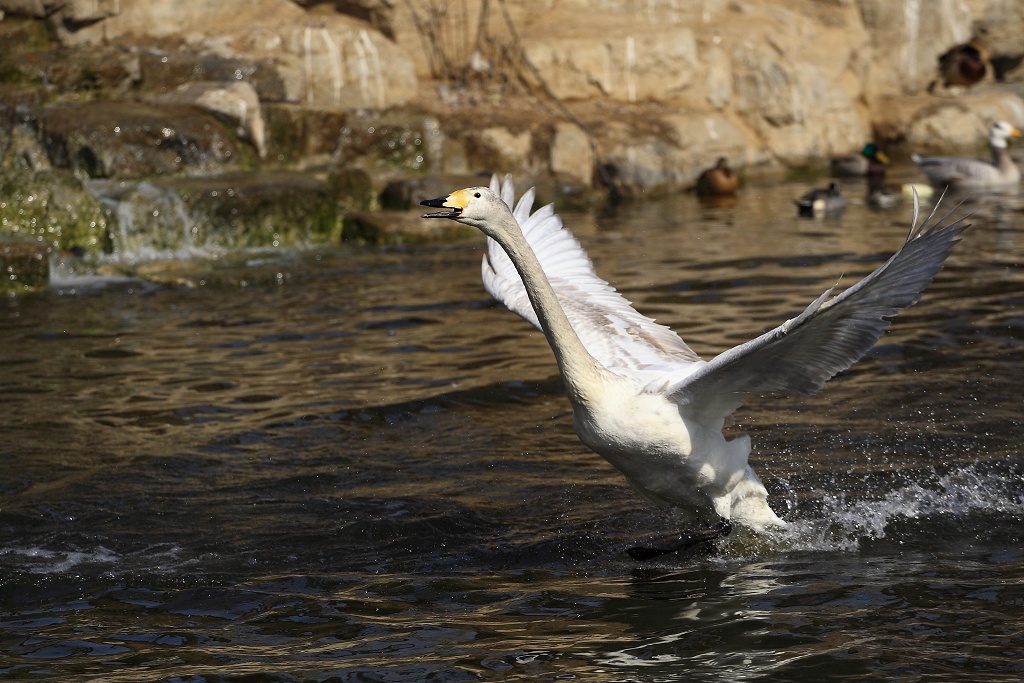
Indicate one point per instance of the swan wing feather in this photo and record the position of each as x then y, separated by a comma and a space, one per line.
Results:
830, 334
607, 324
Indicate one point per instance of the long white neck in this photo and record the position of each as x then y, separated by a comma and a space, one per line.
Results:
1001, 157
579, 369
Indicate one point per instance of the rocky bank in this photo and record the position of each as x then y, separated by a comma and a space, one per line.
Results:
145, 127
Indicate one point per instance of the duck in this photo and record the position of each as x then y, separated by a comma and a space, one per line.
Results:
720, 179
964, 173
962, 65
827, 201
871, 161
640, 396
883, 195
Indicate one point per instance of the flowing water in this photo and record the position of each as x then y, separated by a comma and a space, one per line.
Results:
354, 466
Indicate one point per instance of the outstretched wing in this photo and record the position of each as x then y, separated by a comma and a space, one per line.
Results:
830, 335
607, 324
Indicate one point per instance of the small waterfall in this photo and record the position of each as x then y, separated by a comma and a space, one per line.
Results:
147, 222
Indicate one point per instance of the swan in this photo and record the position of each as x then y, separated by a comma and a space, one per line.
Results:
959, 172
640, 396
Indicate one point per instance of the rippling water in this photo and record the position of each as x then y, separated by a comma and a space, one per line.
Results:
353, 466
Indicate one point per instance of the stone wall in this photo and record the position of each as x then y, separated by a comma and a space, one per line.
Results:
645, 93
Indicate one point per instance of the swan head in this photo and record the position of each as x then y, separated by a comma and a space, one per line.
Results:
475, 206
1000, 132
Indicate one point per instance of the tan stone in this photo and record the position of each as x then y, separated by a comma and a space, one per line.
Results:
571, 155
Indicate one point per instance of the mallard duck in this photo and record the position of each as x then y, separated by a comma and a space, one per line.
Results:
640, 396
962, 65
719, 179
963, 173
828, 201
870, 161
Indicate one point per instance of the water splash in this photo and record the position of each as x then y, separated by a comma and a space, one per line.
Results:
844, 524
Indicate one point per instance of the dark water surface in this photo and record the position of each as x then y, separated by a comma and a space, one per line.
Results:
353, 466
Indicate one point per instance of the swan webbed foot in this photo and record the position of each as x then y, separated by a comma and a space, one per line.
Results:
677, 542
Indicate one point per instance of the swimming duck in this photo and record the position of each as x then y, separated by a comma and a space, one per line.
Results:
871, 161
828, 201
882, 196
640, 396
719, 179
963, 173
962, 65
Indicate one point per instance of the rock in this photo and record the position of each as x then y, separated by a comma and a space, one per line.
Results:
388, 227
402, 141
937, 125
297, 135
669, 151
233, 101
334, 63
264, 209
905, 41
24, 264
380, 14
572, 156
164, 71
130, 139
230, 210
407, 193
51, 206
354, 189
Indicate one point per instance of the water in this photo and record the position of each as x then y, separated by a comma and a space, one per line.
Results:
352, 466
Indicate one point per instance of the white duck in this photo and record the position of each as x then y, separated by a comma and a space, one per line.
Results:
963, 173
640, 397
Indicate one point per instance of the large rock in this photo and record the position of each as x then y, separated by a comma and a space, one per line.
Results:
333, 62
233, 101
129, 139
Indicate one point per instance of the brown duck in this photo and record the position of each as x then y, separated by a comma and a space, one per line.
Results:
719, 179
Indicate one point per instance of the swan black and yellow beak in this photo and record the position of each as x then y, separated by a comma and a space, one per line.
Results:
454, 203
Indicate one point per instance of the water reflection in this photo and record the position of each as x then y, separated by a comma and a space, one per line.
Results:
353, 466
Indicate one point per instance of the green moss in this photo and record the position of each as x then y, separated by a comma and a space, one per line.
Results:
51, 207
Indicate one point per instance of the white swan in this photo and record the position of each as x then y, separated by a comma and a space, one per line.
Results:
964, 173
640, 397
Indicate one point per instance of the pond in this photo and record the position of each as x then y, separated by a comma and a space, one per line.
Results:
352, 465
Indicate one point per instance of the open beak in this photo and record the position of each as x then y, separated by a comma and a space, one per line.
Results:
439, 203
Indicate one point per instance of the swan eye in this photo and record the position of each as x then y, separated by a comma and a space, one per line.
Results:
477, 195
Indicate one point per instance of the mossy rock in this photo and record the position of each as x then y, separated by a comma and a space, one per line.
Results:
51, 207
404, 228
259, 209
133, 140
24, 264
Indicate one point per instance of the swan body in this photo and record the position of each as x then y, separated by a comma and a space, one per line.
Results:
963, 173
640, 396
